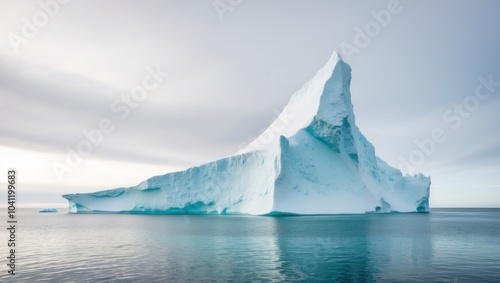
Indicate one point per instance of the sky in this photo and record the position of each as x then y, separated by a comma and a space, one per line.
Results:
149, 87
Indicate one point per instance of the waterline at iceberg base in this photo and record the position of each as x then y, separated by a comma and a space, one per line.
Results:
318, 162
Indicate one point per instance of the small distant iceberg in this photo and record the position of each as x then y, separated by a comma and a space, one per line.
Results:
48, 210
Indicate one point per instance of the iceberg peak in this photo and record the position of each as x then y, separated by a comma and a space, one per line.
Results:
324, 97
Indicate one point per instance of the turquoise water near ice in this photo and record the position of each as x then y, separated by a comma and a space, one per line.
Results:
446, 245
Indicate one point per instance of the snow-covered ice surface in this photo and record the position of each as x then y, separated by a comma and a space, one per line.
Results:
312, 160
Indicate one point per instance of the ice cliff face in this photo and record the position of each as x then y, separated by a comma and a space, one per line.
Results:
312, 160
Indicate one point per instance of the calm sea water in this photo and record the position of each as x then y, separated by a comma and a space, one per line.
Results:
446, 245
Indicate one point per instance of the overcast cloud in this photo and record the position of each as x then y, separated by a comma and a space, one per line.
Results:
229, 76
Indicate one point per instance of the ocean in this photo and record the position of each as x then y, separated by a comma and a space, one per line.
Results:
446, 245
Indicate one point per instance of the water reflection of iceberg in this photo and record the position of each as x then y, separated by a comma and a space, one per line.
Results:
317, 248
352, 248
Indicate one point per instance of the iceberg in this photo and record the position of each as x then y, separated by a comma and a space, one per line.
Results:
48, 210
312, 159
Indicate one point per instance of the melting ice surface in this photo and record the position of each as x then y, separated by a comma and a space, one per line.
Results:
312, 160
